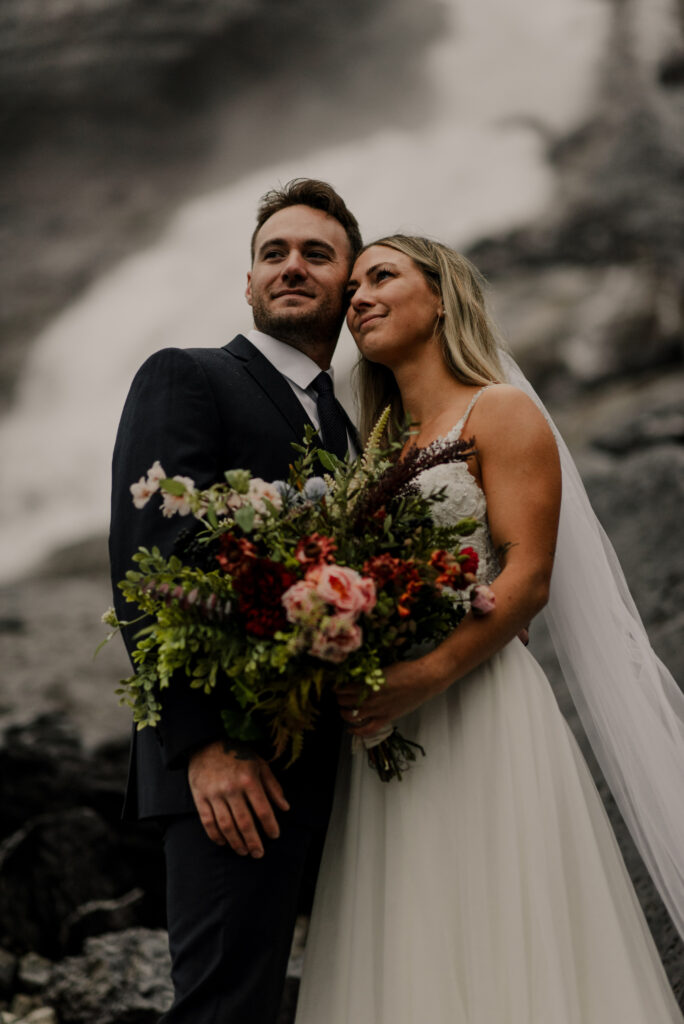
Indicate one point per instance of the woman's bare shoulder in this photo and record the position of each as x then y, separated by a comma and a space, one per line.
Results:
504, 410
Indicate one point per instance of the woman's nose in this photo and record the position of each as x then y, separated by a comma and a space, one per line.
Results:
360, 299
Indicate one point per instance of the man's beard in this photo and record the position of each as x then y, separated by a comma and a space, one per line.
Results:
298, 327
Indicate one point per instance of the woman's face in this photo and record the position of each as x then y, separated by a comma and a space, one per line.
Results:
393, 311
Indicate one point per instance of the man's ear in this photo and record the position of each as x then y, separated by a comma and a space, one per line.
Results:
248, 290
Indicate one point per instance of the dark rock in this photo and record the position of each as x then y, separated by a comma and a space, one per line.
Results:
8, 971
574, 329
119, 979
34, 973
44, 773
640, 499
40, 1015
118, 52
23, 1005
659, 425
44, 768
48, 869
99, 917
12, 624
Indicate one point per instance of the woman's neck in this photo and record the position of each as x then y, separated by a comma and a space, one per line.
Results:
428, 391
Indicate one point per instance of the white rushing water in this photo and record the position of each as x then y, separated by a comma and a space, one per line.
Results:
476, 166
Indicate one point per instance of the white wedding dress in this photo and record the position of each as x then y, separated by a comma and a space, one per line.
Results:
486, 887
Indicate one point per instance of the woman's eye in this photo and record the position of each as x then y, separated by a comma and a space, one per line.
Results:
383, 273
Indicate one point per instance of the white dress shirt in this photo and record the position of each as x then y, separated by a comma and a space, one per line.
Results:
298, 370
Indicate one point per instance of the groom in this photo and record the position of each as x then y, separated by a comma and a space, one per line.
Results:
238, 830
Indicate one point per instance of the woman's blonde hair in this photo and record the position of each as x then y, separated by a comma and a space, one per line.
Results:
469, 342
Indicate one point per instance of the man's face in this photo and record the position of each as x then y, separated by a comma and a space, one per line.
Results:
297, 284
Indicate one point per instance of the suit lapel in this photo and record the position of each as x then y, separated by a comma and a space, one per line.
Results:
278, 390
272, 383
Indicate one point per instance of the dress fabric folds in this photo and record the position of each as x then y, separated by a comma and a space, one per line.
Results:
486, 887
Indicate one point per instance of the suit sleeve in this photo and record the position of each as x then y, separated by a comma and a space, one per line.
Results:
170, 415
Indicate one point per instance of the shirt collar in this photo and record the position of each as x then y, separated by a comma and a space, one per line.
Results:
289, 361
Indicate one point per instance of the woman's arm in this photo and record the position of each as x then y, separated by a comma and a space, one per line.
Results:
520, 475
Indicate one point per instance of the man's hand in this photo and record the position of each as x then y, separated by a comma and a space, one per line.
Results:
233, 789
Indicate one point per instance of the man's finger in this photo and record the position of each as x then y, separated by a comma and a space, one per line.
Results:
226, 827
263, 809
209, 823
245, 825
273, 789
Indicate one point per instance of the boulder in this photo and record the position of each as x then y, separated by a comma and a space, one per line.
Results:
121, 978
53, 865
640, 498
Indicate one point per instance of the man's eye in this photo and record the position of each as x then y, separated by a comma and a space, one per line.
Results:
272, 254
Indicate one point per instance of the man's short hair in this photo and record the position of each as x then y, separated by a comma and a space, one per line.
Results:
309, 192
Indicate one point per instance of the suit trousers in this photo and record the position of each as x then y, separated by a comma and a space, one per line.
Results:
231, 919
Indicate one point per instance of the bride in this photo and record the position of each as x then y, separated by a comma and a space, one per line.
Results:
487, 887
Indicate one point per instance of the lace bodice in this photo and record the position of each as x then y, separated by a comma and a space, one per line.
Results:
463, 498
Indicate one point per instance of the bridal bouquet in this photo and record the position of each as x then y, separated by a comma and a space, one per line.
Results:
289, 587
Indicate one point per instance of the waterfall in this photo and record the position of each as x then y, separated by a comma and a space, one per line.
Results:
506, 77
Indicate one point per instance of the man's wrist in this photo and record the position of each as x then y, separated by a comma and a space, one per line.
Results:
239, 749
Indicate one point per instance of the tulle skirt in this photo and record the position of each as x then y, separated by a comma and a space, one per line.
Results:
484, 888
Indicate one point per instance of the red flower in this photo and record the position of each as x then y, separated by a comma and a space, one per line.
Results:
469, 560
234, 553
455, 571
397, 574
261, 584
315, 550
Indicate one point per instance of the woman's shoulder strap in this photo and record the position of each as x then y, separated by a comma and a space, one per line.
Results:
460, 426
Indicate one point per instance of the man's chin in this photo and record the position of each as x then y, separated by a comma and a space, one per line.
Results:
296, 322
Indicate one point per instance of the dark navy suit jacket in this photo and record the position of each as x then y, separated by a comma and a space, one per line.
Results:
201, 412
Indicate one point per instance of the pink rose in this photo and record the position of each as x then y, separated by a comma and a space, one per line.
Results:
482, 599
346, 589
302, 603
338, 637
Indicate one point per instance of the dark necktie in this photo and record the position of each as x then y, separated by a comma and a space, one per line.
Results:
331, 417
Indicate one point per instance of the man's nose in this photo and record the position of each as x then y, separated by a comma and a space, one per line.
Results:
294, 267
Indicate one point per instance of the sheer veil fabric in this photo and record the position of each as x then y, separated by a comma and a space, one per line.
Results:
629, 703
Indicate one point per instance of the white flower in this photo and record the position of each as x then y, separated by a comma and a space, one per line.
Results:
260, 491
109, 617
142, 492
179, 503
146, 487
155, 473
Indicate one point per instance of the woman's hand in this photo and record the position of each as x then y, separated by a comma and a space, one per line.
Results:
407, 686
